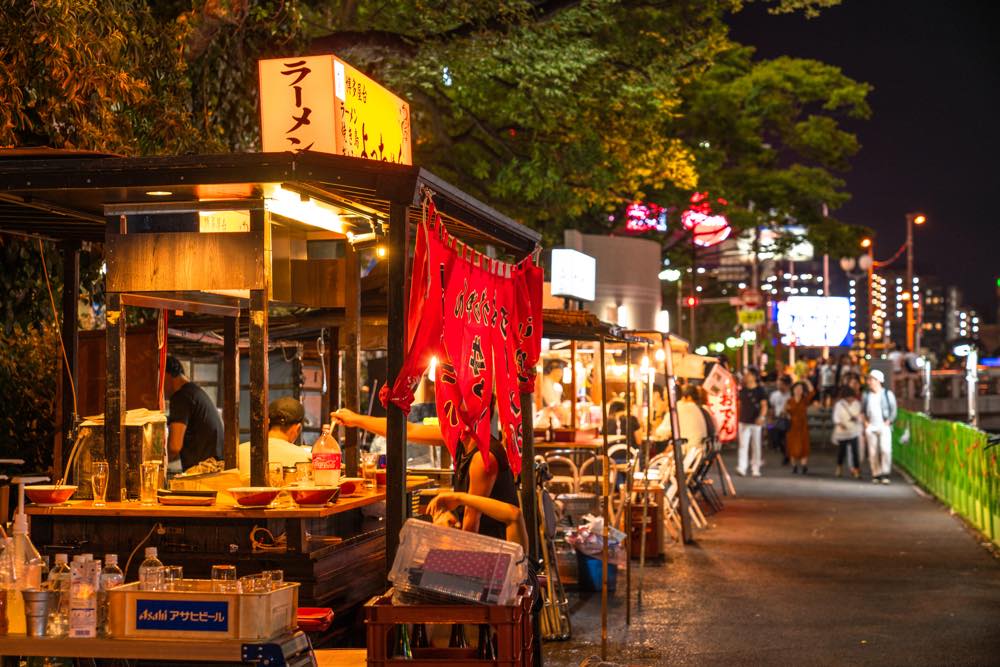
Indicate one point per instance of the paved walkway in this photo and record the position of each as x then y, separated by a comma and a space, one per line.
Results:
809, 571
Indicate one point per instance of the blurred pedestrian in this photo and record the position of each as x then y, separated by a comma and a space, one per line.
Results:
847, 427
827, 382
797, 441
880, 412
779, 423
752, 414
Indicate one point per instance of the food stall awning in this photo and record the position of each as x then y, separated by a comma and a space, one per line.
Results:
63, 195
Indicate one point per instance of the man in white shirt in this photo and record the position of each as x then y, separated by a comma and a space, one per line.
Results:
551, 384
285, 416
880, 413
690, 420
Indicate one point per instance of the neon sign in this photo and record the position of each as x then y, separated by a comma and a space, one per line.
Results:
641, 218
708, 228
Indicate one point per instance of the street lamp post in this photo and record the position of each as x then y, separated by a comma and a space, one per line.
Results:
869, 245
912, 219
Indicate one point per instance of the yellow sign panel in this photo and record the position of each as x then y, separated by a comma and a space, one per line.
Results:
751, 317
320, 103
297, 111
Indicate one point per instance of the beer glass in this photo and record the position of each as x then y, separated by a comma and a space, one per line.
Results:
150, 482
99, 482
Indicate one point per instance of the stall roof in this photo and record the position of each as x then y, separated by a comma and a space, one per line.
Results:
579, 325
61, 195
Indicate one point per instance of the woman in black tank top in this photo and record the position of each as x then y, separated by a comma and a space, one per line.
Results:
503, 489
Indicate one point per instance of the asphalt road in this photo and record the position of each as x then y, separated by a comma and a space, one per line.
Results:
808, 570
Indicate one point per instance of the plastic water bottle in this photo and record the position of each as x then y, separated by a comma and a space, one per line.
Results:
151, 572
59, 582
326, 458
111, 577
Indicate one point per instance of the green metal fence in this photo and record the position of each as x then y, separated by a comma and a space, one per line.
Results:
951, 461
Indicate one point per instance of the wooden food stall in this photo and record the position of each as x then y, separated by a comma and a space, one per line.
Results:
235, 236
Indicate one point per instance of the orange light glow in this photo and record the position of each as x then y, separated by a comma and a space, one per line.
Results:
866, 243
920, 219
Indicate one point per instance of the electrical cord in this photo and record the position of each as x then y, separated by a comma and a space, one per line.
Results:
55, 318
158, 529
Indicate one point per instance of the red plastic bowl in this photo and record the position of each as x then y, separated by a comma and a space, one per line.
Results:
313, 496
351, 485
49, 494
255, 496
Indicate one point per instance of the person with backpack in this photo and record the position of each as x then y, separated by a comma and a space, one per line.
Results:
879, 412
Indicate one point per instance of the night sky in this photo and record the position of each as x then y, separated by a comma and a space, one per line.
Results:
932, 141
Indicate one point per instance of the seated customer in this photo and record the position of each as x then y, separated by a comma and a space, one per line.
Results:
285, 415
690, 417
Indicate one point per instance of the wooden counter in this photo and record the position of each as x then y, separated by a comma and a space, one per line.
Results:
336, 553
188, 650
85, 508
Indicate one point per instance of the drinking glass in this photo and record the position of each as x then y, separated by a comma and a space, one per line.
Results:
275, 475
150, 482
224, 578
172, 576
99, 482
255, 583
368, 466
303, 473
276, 577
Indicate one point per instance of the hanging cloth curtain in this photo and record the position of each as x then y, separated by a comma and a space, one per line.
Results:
480, 318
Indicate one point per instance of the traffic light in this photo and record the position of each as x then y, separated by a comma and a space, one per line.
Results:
692, 301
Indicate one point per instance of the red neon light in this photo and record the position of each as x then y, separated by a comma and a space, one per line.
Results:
708, 228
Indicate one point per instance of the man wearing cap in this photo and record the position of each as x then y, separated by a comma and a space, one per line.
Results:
880, 412
195, 425
285, 416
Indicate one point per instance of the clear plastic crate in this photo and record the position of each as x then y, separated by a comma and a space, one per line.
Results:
434, 563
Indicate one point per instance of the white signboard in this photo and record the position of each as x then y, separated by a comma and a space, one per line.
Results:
574, 274
815, 321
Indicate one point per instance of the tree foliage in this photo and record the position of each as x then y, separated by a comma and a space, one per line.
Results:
769, 136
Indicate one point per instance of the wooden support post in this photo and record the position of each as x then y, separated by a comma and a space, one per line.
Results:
395, 500
332, 400
572, 387
627, 526
114, 398
606, 510
231, 390
529, 496
70, 300
529, 504
352, 356
675, 429
259, 300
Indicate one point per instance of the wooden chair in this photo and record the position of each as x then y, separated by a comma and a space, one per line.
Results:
565, 475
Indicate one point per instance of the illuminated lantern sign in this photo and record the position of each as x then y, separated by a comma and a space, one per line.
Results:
709, 228
320, 103
641, 218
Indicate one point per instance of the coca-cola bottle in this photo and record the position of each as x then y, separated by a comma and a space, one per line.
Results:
326, 458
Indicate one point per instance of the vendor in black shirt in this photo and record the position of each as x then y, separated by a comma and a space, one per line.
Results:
195, 426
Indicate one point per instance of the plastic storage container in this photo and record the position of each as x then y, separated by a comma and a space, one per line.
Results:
197, 612
434, 563
589, 571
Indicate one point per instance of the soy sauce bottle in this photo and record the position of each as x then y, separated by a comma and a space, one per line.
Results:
458, 639
486, 650
420, 638
402, 648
